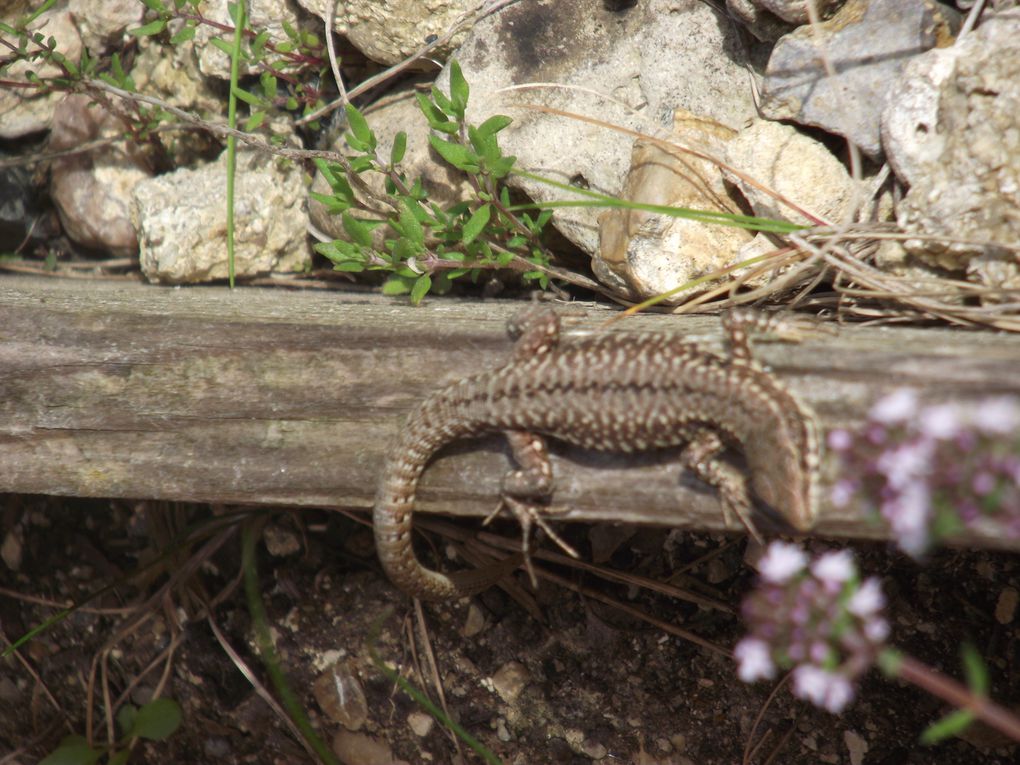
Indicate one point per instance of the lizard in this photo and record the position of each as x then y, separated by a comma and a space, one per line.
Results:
612, 392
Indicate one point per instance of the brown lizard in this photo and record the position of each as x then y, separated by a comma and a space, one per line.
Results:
612, 392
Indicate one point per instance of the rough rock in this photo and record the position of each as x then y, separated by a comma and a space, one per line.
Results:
181, 221
963, 164
794, 165
868, 43
21, 213
644, 253
388, 31
764, 25
263, 15
172, 74
398, 111
103, 22
911, 136
92, 190
22, 110
796, 11
646, 60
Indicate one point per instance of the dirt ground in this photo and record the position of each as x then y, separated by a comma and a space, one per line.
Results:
570, 680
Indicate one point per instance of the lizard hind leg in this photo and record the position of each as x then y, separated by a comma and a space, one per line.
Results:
700, 456
526, 490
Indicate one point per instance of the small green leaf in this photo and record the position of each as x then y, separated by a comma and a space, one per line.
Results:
494, 124
185, 33
502, 167
458, 155
258, 45
118, 70
37, 13
437, 119
268, 83
359, 231
440, 100
411, 227
157, 720
285, 47
73, 750
951, 725
359, 126
147, 30
974, 669
126, 716
254, 122
398, 149
421, 288
120, 758
248, 98
361, 164
152, 5
476, 224
396, 285
222, 46
459, 89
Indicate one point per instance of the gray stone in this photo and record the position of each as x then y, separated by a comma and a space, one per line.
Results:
22, 110
868, 43
263, 15
102, 23
629, 68
388, 31
796, 11
965, 169
92, 190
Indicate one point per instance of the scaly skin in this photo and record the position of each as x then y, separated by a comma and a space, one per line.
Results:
613, 392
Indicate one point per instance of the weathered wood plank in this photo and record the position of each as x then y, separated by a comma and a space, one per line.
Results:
274, 396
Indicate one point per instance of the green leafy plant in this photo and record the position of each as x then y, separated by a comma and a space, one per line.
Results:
155, 721
430, 246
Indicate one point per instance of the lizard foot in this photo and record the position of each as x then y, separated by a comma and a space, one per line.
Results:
530, 515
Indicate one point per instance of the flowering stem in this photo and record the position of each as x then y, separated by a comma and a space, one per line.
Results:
961, 697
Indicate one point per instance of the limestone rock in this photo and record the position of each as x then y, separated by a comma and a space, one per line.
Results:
647, 59
388, 31
181, 221
22, 110
263, 15
102, 23
644, 253
796, 166
961, 155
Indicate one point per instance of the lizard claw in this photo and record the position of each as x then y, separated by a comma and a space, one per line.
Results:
529, 515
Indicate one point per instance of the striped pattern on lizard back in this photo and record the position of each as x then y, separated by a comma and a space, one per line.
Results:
612, 392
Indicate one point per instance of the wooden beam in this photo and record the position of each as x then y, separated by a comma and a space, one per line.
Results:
114, 389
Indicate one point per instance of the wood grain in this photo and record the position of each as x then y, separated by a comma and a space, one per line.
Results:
112, 389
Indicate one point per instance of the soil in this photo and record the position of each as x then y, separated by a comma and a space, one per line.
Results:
571, 681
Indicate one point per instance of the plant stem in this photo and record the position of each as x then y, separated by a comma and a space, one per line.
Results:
959, 696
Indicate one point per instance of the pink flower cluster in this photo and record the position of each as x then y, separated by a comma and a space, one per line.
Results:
816, 617
931, 470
